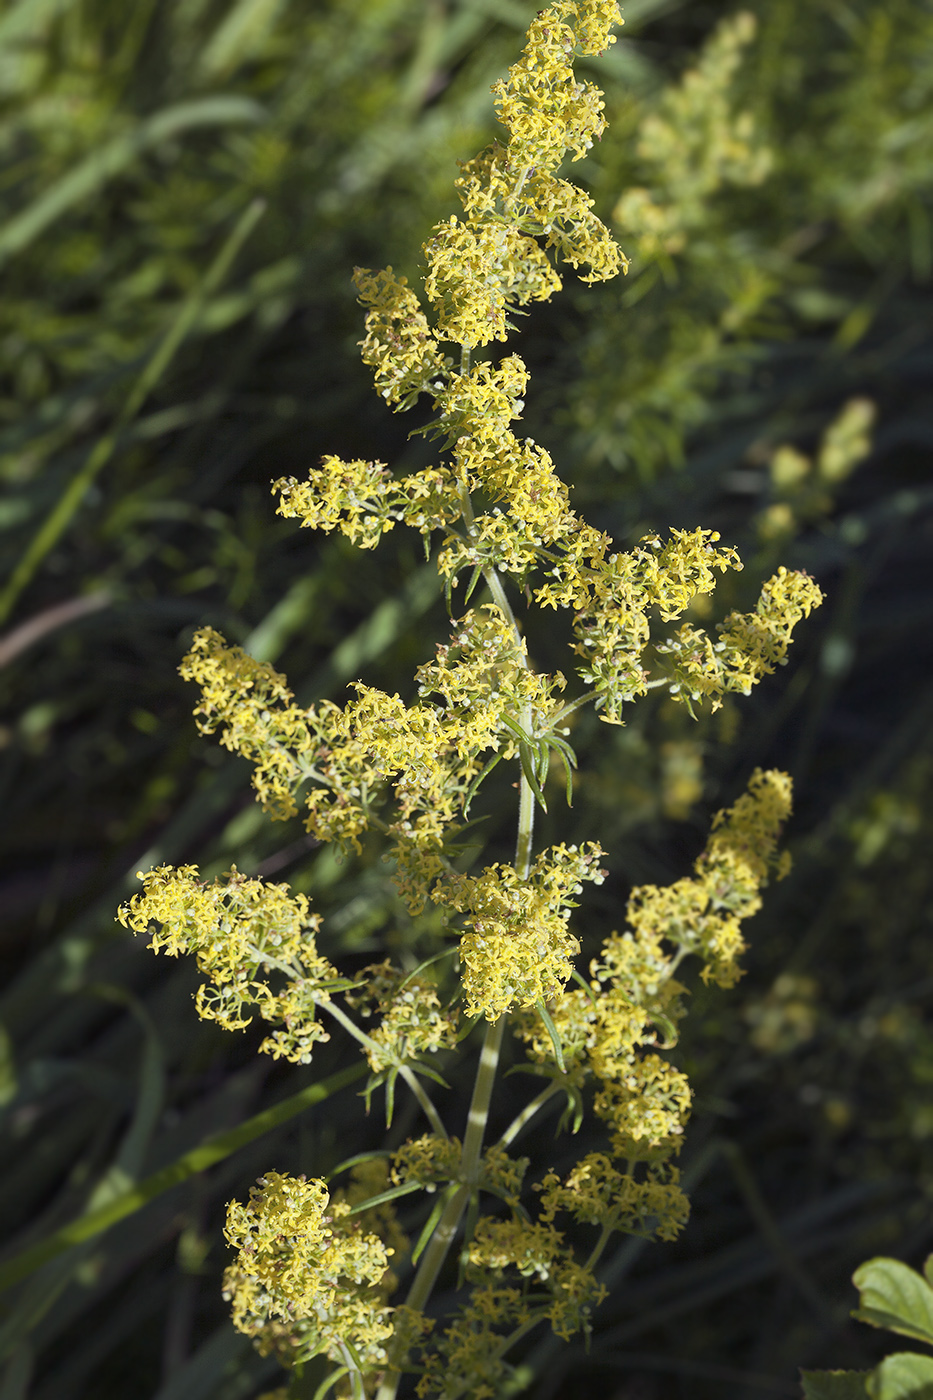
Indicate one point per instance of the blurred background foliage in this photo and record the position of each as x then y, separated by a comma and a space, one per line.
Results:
185, 186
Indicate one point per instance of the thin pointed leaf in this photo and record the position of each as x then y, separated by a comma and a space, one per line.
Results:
421, 1068
568, 772
429, 1225
474, 580
389, 1195
390, 1096
427, 963
353, 1161
584, 984
214, 1149
330, 1380
525, 756
552, 1032
473, 789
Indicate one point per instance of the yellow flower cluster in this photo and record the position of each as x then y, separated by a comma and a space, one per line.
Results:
477, 272
517, 947
413, 1020
432, 754
241, 932
303, 1264
537, 1251
469, 1359
633, 995
484, 669
364, 501
398, 343
613, 594
545, 109
253, 704
595, 1192
433, 1160
481, 267
750, 645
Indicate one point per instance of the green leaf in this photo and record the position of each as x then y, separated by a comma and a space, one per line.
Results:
213, 1149
390, 1195
431, 1222
475, 785
904, 1376
895, 1296
354, 1161
553, 1033
528, 768
834, 1385
114, 156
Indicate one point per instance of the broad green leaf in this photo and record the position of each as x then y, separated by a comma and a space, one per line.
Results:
895, 1296
834, 1385
904, 1376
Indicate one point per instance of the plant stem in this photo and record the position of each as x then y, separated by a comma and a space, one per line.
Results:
446, 1229
408, 1074
598, 1248
479, 1105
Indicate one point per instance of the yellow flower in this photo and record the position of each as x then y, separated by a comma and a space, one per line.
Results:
399, 344
300, 1260
413, 1020
517, 949
241, 932
750, 644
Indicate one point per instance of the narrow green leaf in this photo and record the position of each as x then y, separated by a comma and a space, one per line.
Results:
68, 503
115, 155
353, 1161
330, 1380
389, 1195
473, 789
213, 1149
390, 1096
419, 1067
527, 762
474, 580
552, 1032
568, 772
429, 1225
445, 953
584, 984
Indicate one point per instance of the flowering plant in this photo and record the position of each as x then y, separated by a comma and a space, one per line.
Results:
315, 1269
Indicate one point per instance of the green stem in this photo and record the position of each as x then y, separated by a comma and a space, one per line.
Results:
409, 1076
479, 1104
356, 1376
425, 1278
598, 1248
436, 1252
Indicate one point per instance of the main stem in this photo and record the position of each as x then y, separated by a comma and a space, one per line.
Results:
470, 1160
